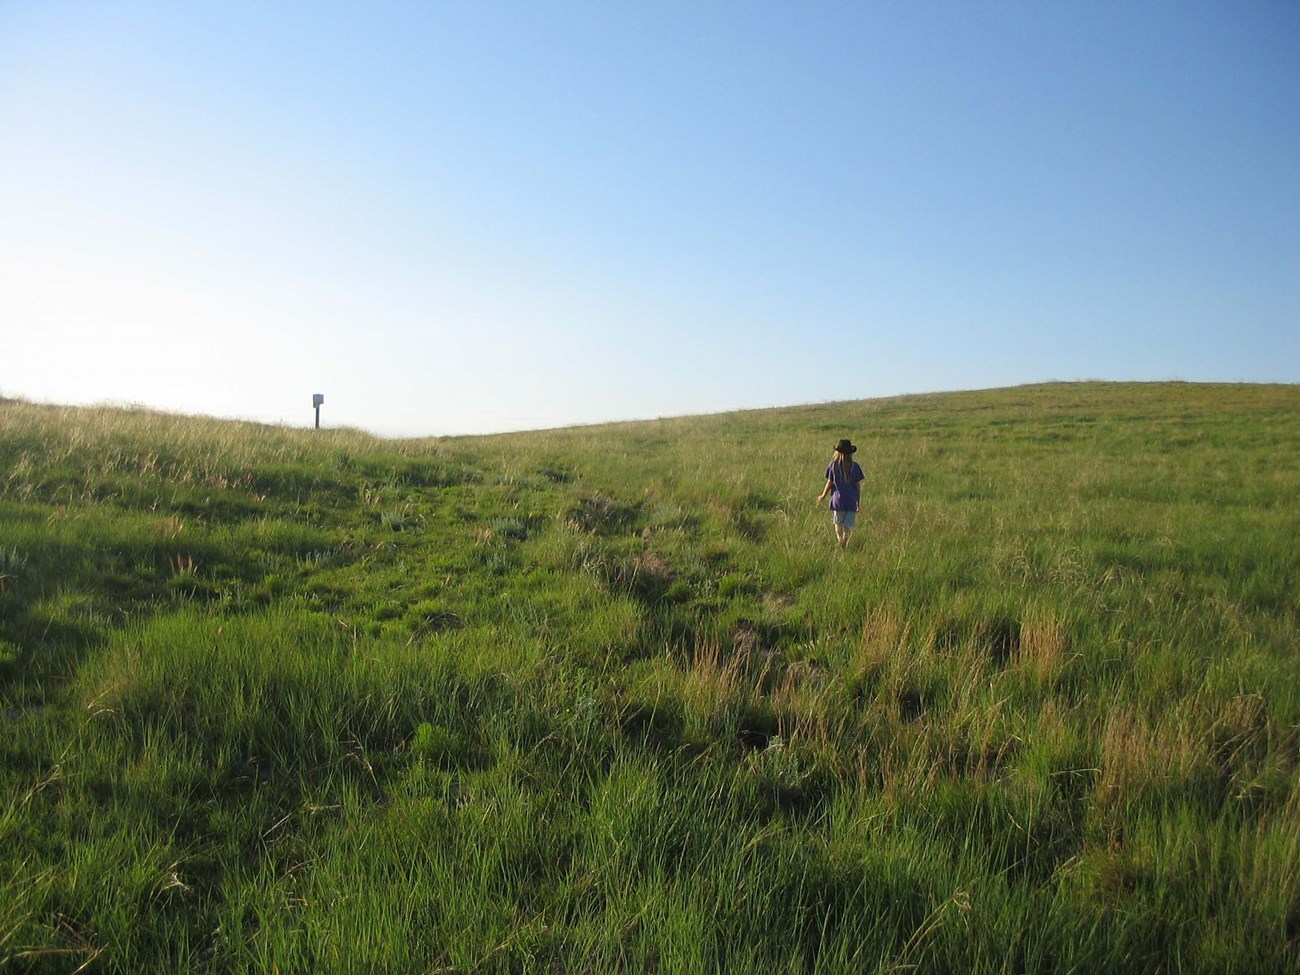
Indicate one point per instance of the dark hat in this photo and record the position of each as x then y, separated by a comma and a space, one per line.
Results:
844, 447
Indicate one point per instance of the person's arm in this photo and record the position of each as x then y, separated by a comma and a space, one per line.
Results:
825, 491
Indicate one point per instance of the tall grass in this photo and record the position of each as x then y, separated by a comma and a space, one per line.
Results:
610, 698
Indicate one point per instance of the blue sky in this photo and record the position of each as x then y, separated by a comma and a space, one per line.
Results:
472, 217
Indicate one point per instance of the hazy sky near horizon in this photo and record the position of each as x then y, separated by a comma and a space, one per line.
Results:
465, 217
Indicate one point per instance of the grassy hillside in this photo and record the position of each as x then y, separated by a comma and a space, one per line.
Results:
610, 699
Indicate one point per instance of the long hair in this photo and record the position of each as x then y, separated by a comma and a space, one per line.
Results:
845, 464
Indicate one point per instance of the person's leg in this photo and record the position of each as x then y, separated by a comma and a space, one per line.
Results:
844, 524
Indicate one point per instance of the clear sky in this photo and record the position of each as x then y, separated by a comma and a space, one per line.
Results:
463, 217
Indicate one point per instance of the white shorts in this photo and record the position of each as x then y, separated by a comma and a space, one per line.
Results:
845, 519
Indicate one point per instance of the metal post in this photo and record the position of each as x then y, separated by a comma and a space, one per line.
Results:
316, 400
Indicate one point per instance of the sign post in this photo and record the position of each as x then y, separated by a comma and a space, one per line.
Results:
316, 400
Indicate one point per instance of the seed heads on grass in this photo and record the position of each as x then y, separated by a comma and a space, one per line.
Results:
183, 566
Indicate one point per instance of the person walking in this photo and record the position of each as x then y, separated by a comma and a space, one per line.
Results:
843, 475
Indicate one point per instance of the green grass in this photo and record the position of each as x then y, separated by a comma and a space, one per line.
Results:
609, 699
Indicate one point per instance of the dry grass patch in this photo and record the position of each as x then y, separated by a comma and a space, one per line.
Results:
884, 643
1043, 647
1140, 756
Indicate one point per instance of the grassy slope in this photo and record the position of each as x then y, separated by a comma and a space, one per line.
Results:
609, 699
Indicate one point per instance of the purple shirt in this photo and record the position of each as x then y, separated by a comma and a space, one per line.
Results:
844, 490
